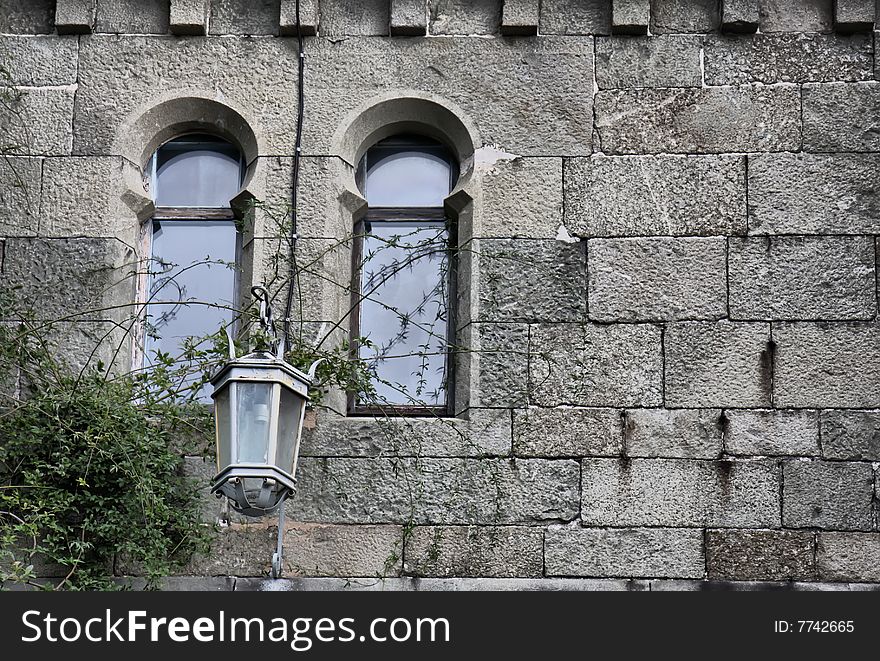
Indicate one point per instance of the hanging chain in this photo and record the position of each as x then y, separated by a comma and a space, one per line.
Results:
267, 321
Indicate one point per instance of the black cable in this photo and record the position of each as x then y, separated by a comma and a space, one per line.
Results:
293, 279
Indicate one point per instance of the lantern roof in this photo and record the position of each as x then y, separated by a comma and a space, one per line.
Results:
262, 366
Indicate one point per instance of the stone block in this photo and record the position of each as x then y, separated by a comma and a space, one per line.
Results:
854, 15
75, 16
314, 549
788, 58
678, 433
595, 365
308, 18
20, 181
680, 493
849, 556
668, 61
739, 15
850, 435
827, 365
478, 551
486, 432
630, 16
814, 193
717, 364
258, 17
841, 117
520, 17
831, 495
354, 18
491, 80
781, 277
772, 432
39, 61
464, 17
760, 555
575, 17
702, 121
85, 279
676, 16
657, 279
189, 16
528, 585
531, 280
624, 552
133, 16
436, 491
408, 18
800, 16
241, 549
643, 196
27, 16
499, 356
522, 197
50, 109
567, 432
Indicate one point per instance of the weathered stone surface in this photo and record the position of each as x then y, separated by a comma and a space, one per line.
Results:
595, 365
800, 16
241, 549
841, 116
630, 16
522, 197
788, 58
492, 80
853, 15
670, 61
772, 432
38, 60
657, 279
308, 18
717, 364
358, 17
189, 16
531, 280
133, 16
642, 196
485, 433
528, 585
504, 551
520, 17
844, 556
20, 180
853, 435
677, 16
814, 193
50, 109
827, 365
680, 433
567, 432
258, 77
244, 16
436, 491
680, 492
739, 15
464, 16
75, 16
761, 555
799, 277
27, 16
312, 549
703, 121
827, 494
627, 552
575, 17
84, 278
498, 361
408, 18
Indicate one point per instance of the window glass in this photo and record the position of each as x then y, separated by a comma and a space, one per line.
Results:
196, 171
399, 175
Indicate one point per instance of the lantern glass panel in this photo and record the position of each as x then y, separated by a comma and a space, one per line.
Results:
222, 413
254, 415
291, 414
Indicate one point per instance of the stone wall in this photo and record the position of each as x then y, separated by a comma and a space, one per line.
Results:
670, 211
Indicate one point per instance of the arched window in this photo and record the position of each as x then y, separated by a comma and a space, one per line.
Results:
403, 275
194, 243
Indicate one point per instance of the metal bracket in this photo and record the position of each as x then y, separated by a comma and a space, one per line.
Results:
279, 549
